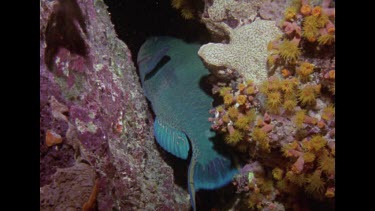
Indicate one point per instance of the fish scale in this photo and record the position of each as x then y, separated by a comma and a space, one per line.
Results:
182, 110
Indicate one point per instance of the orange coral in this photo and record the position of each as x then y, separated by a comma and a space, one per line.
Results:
305, 10
52, 138
330, 193
304, 70
90, 204
241, 87
331, 30
285, 73
316, 11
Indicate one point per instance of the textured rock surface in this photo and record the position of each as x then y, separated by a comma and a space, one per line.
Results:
273, 10
95, 103
246, 51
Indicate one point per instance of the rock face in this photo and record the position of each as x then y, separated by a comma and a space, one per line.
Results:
91, 98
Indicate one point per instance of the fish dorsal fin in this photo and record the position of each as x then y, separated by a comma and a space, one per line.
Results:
171, 139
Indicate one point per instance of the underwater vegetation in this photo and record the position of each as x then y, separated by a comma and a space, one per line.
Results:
168, 68
286, 123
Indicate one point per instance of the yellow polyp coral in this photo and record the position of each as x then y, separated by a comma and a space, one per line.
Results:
315, 184
309, 157
273, 100
226, 118
308, 94
251, 114
228, 99
258, 134
261, 138
328, 113
317, 142
289, 105
322, 20
241, 99
289, 51
186, 8
304, 70
287, 147
277, 173
270, 46
310, 27
290, 13
177, 3
299, 117
273, 84
234, 137
225, 90
242, 123
298, 179
289, 86
219, 109
327, 164
187, 13
233, 112
271, 60
250, 90
327, 39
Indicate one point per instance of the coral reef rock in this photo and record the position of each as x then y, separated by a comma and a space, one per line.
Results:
92, 100
246, 51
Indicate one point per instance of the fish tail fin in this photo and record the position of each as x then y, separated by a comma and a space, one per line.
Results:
216, 173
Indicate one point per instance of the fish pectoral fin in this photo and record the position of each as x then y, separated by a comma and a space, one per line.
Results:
171, 139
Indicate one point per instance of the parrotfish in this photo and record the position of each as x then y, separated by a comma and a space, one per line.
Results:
171, 73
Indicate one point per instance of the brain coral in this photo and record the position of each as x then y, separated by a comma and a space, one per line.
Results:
246, 51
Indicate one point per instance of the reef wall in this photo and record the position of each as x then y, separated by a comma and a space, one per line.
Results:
96, 143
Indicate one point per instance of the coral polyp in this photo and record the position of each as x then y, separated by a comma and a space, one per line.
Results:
291, 132
234, 137
315, 184
304, 70
307, 95
289, 51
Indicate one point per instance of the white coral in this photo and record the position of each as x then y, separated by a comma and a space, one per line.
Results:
246, 51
